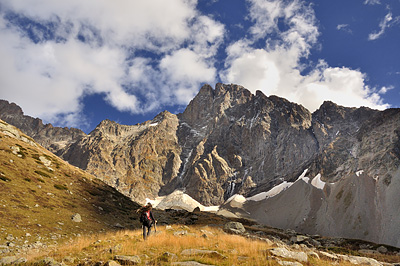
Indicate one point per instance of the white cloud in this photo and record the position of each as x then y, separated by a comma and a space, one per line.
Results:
341, 85
383, 25
372, 2
276, 68
383, 90
49, 78
344, 27
147, 55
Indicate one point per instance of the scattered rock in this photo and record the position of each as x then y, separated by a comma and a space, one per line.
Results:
112, 263
12, 260
234, 227
298, 239
382, 250
69, 259
45, 161
313, 254
360, 260
181, 233
167, 256
289, 263
118, 225
287, 254
210, 253
368, 251
76, 218
190, 263
115, 249
129, 260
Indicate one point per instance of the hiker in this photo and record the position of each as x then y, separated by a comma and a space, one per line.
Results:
147, 219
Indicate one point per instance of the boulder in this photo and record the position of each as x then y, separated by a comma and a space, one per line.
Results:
360, 260
112, 263
382, 249
127, 260
287, 254
167, 256
76, 218
234, 227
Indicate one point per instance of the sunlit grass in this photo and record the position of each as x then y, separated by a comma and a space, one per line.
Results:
232, 249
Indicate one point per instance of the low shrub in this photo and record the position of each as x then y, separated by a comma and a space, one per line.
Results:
60, 187
4, 178
42, 173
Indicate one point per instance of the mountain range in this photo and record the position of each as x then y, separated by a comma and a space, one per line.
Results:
333, 172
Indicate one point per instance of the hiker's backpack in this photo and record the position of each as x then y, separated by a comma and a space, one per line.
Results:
145, 218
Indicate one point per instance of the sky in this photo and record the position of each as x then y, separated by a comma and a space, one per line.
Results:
75, 63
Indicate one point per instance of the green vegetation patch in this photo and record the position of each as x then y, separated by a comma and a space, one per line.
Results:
4, 178
36, 156
42, 173
60, 187
23, 156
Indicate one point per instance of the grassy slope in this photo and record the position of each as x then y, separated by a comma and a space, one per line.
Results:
40, 201
231, 249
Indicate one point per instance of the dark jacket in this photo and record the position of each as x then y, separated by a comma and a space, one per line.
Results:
147, 218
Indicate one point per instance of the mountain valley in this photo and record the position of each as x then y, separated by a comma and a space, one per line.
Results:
338, 167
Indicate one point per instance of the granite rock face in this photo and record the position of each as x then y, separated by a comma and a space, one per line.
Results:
137, 160
236, 142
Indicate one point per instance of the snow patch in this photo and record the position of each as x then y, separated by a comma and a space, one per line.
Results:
317, 182
279, 188
304, 177
237, 197
272, 192
180, 201
360, 172
153, 124
155, 201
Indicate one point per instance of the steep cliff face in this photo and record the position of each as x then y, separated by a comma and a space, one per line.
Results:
237, 142
137, 160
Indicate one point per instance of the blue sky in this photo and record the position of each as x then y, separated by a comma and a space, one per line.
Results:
76, 63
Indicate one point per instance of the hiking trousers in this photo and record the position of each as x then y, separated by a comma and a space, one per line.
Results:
146, 231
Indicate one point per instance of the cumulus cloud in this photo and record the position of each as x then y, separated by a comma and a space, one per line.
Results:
142, 56
276, 67
55, 53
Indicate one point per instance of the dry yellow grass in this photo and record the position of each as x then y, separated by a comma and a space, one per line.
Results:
234, 250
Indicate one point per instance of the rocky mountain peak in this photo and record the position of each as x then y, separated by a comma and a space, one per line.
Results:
52, 138
10, 108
